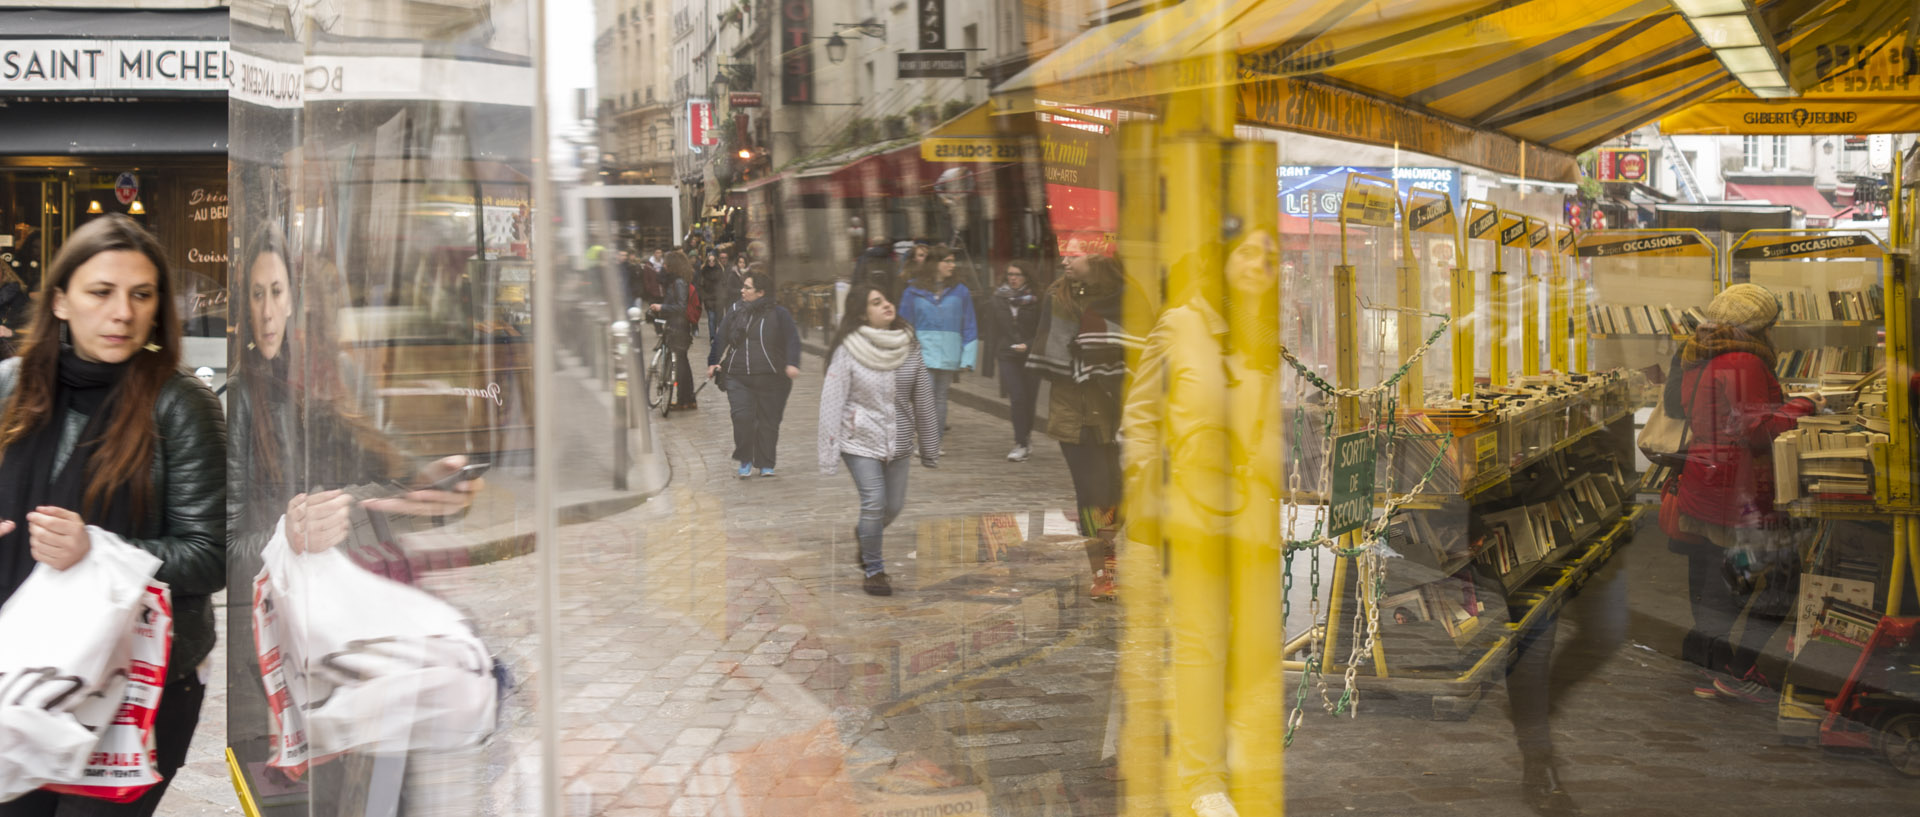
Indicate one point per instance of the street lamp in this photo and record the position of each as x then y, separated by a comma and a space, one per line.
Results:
836, 49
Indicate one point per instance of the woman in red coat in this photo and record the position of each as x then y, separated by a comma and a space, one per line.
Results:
1727, 391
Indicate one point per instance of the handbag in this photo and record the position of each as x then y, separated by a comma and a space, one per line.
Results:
720, 374
1665, 438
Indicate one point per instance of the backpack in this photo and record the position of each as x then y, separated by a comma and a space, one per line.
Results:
693, 305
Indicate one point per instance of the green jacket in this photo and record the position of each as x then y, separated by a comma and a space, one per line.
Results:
188, 531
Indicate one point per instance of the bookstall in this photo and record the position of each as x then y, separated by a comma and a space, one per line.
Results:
1532, 464
1845, 472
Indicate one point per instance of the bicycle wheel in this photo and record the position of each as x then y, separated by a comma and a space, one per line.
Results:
657, 376
669, 381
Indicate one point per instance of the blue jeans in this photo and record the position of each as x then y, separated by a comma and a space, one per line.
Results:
883, 492
942, 381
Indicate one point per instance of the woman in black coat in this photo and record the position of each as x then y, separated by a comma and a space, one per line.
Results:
1016, 315
100, 427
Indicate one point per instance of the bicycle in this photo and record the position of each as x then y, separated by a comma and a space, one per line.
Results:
662, 371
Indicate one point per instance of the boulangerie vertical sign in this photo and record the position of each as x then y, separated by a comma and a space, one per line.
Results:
933, 24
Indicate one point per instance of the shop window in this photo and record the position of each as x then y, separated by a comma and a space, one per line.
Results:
1779, 154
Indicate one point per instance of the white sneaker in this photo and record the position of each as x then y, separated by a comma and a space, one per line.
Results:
1019, 454
1214, 805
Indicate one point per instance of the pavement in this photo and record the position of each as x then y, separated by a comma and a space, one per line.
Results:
718, 657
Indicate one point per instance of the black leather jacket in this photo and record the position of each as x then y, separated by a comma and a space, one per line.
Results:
189, 534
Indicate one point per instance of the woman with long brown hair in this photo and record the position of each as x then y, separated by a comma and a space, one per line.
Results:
102, 428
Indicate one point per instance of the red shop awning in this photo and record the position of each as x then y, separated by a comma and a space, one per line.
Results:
1800, 197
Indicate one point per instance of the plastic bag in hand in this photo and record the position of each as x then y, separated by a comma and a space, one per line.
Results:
121, 767
371, 665
63, 670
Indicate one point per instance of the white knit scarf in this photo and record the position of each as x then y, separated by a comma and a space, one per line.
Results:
879, 349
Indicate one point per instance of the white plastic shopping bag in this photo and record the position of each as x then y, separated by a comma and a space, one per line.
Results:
353, 661
66, 646
121, 767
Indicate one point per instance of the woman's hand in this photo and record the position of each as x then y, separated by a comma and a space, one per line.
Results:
57, 537
5, 332
317, 522
428, 501
793, 372
1819, 402
711, 370
1019, 347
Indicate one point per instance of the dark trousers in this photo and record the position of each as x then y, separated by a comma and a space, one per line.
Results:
683, 372
1541, 678
757, 402
1023, 389
173, 728
1095, 468
1716, 610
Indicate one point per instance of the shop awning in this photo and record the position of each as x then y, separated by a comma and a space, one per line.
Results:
1513, 86
1798, 196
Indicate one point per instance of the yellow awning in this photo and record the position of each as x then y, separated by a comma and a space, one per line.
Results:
1514, 86
1879, 93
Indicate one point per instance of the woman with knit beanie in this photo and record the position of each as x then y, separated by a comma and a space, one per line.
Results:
1725, 388
875, 405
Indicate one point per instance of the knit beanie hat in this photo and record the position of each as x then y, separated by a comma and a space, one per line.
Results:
1749, 306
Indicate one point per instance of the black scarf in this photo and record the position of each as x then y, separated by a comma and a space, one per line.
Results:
750, 312
27, 480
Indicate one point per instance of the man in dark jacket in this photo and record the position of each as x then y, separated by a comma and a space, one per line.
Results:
876, 266
760, 353
676, 286
1016, 316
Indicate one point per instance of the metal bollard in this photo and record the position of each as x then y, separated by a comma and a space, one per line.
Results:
640, 375
617, 339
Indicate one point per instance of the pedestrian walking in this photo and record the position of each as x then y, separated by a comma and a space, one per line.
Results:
1016, 316
876, 403
680, 309
1080, 347
140, 450
940, 309
760, 360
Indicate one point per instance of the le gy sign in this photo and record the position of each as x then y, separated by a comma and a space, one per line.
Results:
1353, 457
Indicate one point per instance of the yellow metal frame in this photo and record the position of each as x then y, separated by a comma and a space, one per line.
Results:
1467, 318
240, 789
1559, 327
1530, 303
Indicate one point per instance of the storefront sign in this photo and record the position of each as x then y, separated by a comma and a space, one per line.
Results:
926, 64
796, 69
1680, 244
933, 25
1353, 467
1623, 165
33, 66
700, 124
1314, 191
126, 188
270, 83
1803, 246
971, 150
1538, 236
1566, 239
1875, 96
1482, 222
1432, 213
744, 99
1513, 232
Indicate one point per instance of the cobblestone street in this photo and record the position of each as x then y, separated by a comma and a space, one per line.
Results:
720, 658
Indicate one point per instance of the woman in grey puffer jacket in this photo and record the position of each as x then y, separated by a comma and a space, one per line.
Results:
876, 403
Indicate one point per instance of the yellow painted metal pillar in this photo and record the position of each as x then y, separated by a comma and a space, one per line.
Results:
1530, 306
1464, 357
1408, 284
1557, 318
1898, 310
1902, 551
1143, 657
1499, 303
1256, 710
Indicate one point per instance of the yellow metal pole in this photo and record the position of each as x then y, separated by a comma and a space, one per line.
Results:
1913, 549
1413, 386
1256, 713
1501, 307
1557, 323
1143, 658
1529, 307
1193, 526
1898, 310
1464, 357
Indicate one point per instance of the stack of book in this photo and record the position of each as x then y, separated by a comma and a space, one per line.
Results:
1643, 319
1806, 304
1828, 457
1435, 539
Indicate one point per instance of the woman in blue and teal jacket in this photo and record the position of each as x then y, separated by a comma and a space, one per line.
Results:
941, 311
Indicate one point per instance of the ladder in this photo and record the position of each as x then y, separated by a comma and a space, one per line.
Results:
1689, 183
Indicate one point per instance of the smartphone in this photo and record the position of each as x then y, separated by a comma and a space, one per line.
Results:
472, 471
